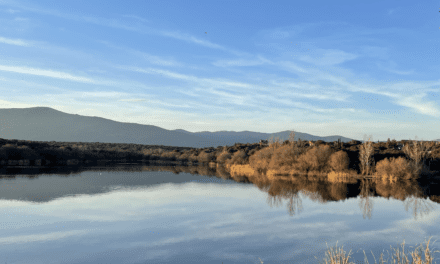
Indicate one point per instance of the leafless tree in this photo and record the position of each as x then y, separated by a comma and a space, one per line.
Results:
292, 137
365, 156
417, 151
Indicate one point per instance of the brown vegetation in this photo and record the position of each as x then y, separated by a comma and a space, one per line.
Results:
365, 157
396, 168
339, 161
289, 156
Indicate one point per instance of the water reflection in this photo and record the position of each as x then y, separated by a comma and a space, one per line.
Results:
92, 181
176, 214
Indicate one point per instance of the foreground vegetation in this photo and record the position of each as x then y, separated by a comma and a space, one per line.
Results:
338, 256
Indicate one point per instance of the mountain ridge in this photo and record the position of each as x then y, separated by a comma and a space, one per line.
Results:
48, 124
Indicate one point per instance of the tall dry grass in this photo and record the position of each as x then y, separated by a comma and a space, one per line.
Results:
418, 256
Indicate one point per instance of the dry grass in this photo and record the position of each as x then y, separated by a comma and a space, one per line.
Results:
338, 256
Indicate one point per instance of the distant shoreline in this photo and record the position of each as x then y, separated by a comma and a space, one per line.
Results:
261, 156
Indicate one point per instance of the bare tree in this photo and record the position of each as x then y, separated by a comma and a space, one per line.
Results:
417, 151
365, 156
292, 137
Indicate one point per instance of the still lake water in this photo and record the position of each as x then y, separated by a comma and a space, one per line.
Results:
104, 216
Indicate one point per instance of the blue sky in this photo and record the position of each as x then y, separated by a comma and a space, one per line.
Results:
350, 68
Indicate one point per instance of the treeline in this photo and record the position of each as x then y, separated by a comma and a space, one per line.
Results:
37, 153
398, 157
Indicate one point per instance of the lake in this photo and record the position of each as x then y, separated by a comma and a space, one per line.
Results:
139, 214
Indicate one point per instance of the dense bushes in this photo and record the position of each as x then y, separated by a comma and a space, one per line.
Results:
206, 157
291, 157
224, 155
339, 161
399, 168
261, 159
239, 157
283, 157
315, 159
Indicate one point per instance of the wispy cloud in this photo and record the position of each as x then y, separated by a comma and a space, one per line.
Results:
195, 40
328, 57
392, 68
137, 18
153, 59
419, 104
17, 42
41, 237
131, 100
185, 77
242, 62
130, 84
46, 73
115, 23
11, 104
12, 11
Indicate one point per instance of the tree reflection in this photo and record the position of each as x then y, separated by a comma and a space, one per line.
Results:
294, 202
364, 203
419, 205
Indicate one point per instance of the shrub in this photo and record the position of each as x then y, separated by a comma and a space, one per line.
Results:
206, 157
339, 161
283, 157
319, 142
260, 160
225, 155
239, 157
315, 159
399, 168
169, 155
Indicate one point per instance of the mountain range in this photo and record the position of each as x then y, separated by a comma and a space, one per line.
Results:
47, 124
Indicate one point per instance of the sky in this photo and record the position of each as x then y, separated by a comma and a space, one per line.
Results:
349, 68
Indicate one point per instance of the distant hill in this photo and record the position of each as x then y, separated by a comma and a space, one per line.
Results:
47, 124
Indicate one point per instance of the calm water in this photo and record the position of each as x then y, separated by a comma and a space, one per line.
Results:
163, 217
